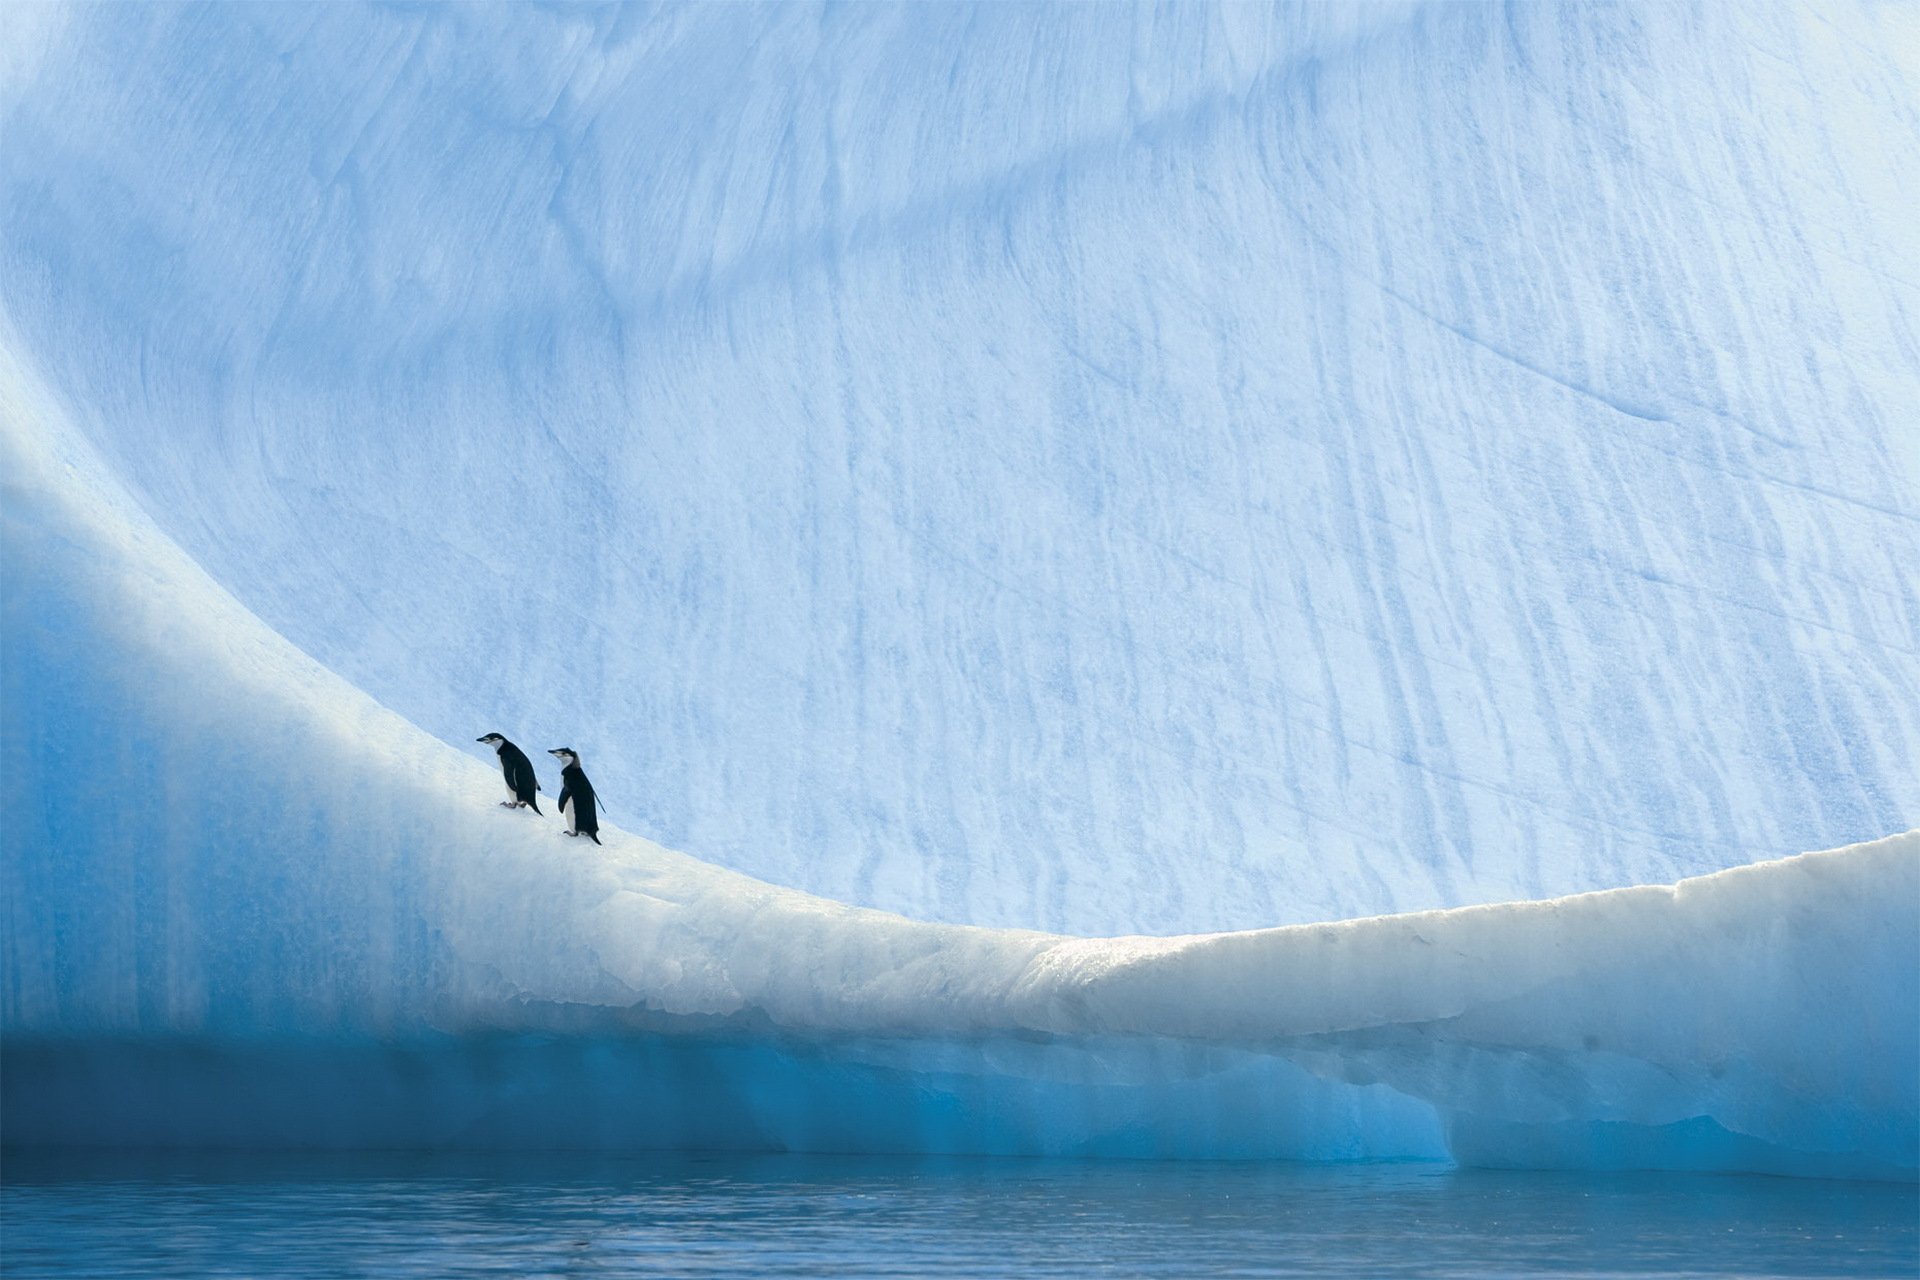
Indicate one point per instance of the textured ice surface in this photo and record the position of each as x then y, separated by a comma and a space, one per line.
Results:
1048, 466
254, 908
1056, 466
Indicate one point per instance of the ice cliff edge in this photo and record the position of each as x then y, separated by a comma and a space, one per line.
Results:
245, 903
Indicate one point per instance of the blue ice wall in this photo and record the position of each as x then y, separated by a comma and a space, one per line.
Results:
245, 905
1040, 465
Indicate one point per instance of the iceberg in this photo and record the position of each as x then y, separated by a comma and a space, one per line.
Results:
1018, 465
255, 908
1231, 581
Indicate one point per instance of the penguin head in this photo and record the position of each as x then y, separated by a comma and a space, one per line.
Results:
567, 755
491, 739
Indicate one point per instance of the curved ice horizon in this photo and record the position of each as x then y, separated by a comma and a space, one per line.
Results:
1412, 504
339, 905
1025, 465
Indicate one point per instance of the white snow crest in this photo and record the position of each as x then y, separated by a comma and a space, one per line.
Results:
241, 844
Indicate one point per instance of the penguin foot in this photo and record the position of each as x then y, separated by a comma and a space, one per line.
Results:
569, 834
508, 804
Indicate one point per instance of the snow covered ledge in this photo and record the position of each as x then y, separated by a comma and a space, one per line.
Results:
1683, 1025
249, 906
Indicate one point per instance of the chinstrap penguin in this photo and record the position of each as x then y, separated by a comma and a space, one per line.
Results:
576, 795
522, 786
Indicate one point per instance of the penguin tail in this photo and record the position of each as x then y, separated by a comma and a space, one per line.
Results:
535, 805
593, 836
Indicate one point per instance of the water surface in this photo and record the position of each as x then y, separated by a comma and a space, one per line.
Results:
410, 1215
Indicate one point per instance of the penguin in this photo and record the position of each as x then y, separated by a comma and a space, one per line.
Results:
522, 786
576, 795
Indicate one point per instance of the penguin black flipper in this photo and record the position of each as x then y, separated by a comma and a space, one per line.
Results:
586, 813
576, 795
525, 785
520, 775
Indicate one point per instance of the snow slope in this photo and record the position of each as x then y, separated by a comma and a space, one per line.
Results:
252, 907
1160, 469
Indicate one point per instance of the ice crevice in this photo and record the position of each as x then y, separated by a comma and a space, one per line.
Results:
1610, 401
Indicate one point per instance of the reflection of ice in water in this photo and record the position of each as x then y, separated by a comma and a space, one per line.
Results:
827, 1216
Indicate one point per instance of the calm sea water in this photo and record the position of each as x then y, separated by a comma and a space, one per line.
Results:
400, 1215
